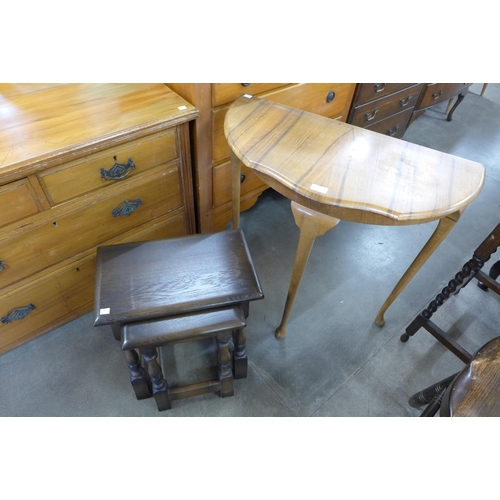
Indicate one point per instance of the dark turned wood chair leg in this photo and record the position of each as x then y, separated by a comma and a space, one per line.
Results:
470, 270
138, 377
160, 387
434, 405
224, 362
240, 359
427, 395
493, 274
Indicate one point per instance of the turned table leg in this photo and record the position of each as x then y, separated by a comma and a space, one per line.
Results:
311, 224
240, 359
138, 377
224, 362
445, 225
160, 386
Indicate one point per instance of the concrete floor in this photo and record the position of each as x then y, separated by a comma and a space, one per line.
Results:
334, 361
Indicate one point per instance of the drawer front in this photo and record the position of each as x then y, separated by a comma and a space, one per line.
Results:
223, 93
439, 92
394, 126
69, 291
68, 181
74, 231
367, 92
311, 97
378, 110
222, 183
17, 201
326, 99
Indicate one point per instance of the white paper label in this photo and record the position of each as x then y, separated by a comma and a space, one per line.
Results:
248, 96
181, 108
106, 310
319, 189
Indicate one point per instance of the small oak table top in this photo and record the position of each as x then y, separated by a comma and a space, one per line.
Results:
333, 170
347, 171
169, 277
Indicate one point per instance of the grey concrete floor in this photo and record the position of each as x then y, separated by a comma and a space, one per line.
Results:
334, 362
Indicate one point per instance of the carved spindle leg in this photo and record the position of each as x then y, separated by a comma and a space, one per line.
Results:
468, 271
311, 224
160, 387
445, 225
224, 361
138, 377
240, 360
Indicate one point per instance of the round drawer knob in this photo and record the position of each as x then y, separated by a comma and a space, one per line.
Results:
331, 96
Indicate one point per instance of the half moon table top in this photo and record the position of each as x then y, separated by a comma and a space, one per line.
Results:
346, 171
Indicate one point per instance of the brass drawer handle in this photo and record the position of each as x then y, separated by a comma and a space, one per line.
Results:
2, 266
126, 207
391, 131
437, 96
405, 102
379, 87
17, 313
369, 117
330, 97
118, 171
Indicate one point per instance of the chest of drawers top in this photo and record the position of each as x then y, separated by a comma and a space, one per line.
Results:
42, 125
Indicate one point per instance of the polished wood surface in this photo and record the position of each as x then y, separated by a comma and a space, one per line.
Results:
204, 271
211, 152
346, 172
57, 206
32, 134
476, 390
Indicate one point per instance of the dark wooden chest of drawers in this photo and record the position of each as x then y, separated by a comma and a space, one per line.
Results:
384, 107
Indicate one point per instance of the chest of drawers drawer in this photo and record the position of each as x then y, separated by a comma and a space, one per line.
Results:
435, 93
394, 125
379, 109
367, 92
224, 93
30, 248
100, 170
29, 310
17, 201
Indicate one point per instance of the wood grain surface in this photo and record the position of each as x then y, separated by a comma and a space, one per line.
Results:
30, 131
345, 171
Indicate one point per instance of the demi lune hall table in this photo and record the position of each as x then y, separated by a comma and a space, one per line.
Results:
332, 170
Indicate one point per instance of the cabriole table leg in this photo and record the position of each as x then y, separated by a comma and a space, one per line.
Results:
446, 224
311, 224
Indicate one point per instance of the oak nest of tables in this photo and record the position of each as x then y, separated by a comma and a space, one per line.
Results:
332, 170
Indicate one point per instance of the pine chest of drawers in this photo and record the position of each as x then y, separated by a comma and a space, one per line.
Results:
210, 149
82, 165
